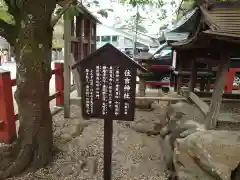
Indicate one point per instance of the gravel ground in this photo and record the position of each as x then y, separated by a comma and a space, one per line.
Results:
135, 155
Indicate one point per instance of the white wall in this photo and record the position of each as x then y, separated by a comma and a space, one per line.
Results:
105, 31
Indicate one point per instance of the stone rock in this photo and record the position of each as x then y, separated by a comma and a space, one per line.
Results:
143, 127
209, 155
67, 168
91, 164
144, 104
76, 130
183, 110
65, 138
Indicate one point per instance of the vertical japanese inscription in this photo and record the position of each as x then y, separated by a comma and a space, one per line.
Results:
108, 92
110, 88
117, 92
104, 90
89, 91
127, 88
97, 90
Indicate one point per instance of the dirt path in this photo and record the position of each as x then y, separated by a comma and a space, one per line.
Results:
135, 155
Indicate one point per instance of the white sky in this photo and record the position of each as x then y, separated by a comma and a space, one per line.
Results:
121, 11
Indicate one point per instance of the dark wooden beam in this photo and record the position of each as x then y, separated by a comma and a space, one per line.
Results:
203, 106
94, 37
225, 95
211, 118
90, 25
179, 77
81, 38
193, 76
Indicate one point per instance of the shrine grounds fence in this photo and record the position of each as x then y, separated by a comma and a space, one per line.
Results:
7, 115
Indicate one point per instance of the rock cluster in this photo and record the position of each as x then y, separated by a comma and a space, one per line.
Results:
193, 153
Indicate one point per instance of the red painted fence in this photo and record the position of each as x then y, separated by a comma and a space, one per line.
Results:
229, 87
7, 116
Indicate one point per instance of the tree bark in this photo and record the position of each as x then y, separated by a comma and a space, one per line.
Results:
33, 148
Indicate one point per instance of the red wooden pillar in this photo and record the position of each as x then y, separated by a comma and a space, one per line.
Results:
229, 80
59, 84
7, 116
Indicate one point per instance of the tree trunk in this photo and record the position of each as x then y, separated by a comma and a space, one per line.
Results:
33, 57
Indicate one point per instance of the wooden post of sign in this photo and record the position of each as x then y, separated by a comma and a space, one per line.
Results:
108, 133
108, 92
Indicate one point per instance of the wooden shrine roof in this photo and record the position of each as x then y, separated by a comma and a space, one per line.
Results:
88, 14
221, 21
84, 10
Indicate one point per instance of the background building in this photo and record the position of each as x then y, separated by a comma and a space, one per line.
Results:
121, 38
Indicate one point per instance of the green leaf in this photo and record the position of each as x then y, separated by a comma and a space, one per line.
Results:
134, 3
4, 15
56, 45
103, 13
111, 10
96, 3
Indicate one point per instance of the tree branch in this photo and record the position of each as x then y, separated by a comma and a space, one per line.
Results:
8, 31
56, 18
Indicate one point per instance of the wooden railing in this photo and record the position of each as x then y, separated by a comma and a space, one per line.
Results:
7, 115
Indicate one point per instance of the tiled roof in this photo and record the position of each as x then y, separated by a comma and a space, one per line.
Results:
223, 19
183, 28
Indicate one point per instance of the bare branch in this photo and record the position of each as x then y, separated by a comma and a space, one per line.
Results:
56, 18
8, 31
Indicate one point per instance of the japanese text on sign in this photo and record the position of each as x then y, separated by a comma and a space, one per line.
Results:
117, 92
108, 91
127, 88
104, 90
89, 91
98, 81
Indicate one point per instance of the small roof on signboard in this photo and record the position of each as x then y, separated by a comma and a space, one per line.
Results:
108, 47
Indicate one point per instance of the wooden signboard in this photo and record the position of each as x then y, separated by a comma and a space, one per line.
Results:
108, 79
